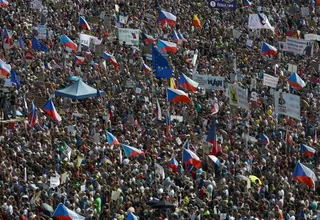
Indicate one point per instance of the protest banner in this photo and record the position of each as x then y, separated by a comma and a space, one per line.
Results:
269, 80
238, 96
312, 37
287, 104
297, 46
231, 4
209, 82
130, 36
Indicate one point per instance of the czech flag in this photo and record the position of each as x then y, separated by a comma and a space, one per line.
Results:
146, 68
21, 42
83, 23
32, 116
176, 95
306, 150
168, 123
191, 158
109, 110
261, 18
4, 68
112, 140
79, 60
212, 138
7, 36
215, 160
268, 50
147, 39
247, 3
173, 164
296, 82
4, 3
63, 213
264, 140
167, 47
111, 59
51, 111
131, 216
315, 137
196, 21
166, 18
181, 37
47, 66
304, 175
175, 36
131, 151
66, 41
87, 53
187, 83
215, 108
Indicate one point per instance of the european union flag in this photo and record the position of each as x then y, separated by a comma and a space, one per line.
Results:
37, 45
160, 64
15, 79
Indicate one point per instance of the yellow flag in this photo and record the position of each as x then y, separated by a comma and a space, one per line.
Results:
79, 161
172, 83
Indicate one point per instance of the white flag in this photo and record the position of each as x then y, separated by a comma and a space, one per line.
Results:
159, 115
160, 170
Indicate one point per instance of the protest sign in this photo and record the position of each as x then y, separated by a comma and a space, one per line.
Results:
305, 11
36, 5
312, 37
269, 80
292, 68
238, 96
223, 4
287, 104
209, 82
42, 31
236, 34
130, 36
297, 46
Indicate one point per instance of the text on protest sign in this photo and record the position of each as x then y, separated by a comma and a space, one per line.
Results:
209, 82
238, 96
271, 81
297, 46
287, 104
223, 4
130, 36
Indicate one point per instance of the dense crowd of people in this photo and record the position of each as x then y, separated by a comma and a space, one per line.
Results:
71, 162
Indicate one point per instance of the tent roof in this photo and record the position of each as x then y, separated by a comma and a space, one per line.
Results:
79, 90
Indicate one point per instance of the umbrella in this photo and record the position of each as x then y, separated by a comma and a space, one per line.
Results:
241, 177
163, 204
255, 179
47, 207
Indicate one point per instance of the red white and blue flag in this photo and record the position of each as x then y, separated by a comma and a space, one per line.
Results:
51, 111
306, 150
304, 175
268, 50
187, 83
166, 18
111, 59
67, 42
32, 116
79, 59
83, 23
146, 68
